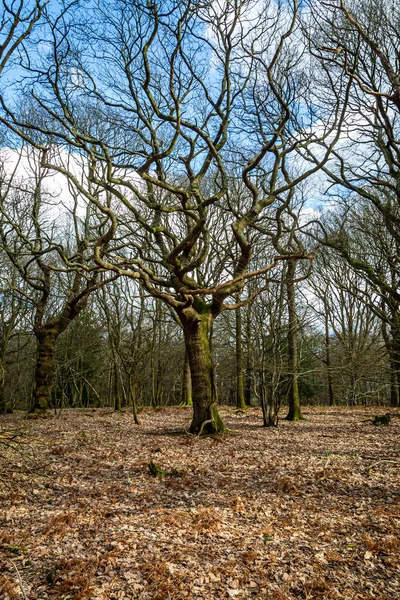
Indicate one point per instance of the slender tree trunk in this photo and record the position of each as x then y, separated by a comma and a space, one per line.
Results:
249, 358
352, 390
110, 387
122, 388
389, 344
196, 329
155, 356
159, 381
75, 392
44, 371
4, 406
186, 397
117, 395
3, 403
294, 413
394, 385
133, 390
240, 400
328, 358
395, 373
264, 402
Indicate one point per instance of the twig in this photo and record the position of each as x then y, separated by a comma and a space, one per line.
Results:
20, 581
386, 460
325, 476
8, 438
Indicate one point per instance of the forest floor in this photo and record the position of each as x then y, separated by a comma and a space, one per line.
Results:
308, 510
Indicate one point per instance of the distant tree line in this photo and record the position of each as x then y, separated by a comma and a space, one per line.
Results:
125, 350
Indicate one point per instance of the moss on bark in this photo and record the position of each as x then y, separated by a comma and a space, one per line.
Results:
44, 372
196, 327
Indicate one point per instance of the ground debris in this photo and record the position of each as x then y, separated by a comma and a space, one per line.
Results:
307, 510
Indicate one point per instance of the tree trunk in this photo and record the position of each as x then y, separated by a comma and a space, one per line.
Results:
132, 390
3, 403
44, 371
196, 329
4, 406
264, 401
156, 384
294, 413
394, 385
116, 391
328, 357
240, 400
249, 358
186, 397
395, 373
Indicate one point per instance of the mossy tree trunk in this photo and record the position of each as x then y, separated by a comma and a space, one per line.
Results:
48, 331
44, 370
294, 413
3, 403
196, 327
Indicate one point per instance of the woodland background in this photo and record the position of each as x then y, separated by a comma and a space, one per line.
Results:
199, 236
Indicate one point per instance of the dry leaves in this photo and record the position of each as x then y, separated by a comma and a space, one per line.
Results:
282, 514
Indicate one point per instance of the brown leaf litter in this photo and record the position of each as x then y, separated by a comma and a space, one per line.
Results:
309, 510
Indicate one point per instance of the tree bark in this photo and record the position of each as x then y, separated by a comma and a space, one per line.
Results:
249, 381
395, 372
328, 357
196, 329
186, 397
5, 338
116, 391
44, 371
240, 399
3, 403
294, 413
132, 390
394, 386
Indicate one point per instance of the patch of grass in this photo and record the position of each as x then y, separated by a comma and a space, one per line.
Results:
82, 438
17, 549
155, 470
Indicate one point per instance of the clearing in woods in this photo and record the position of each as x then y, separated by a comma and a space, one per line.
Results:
95, 507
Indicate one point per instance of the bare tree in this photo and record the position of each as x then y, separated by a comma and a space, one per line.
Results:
13, 316
349, 309
269, 352
17, 21
55, 273
357, 42
179, 99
